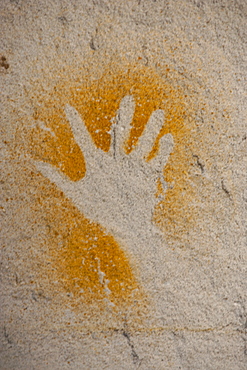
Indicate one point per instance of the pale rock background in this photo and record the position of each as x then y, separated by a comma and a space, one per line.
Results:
200, 318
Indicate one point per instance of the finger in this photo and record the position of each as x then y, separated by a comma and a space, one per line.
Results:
121, 128
80, 132
52, 174
153, 127
166, 145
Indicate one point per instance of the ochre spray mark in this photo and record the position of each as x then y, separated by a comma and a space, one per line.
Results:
91, 263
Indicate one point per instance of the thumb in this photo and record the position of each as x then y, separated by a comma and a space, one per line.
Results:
55, 176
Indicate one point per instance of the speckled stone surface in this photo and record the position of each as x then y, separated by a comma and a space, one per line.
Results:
123, 184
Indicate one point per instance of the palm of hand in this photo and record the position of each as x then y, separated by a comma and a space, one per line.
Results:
118, 190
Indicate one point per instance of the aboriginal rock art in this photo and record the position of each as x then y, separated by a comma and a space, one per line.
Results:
119, 189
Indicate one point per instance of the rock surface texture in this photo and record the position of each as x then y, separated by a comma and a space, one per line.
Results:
123, 184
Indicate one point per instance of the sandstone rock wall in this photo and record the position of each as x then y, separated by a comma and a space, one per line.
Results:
123, 184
